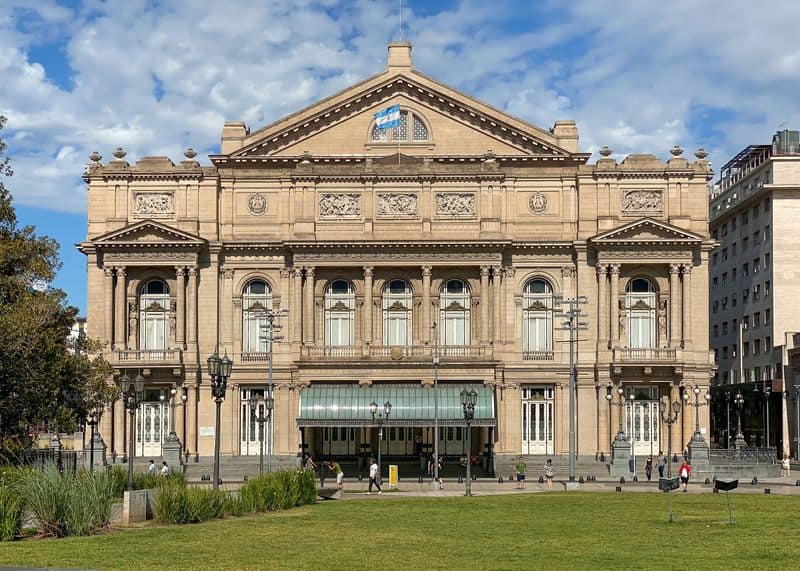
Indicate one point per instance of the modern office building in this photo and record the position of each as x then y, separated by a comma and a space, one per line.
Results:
409, 263
754, 278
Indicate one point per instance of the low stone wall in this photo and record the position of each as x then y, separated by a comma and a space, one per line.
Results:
137, 506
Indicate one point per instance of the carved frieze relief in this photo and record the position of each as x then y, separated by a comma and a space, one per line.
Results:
153, 204
340, 205
642, 201
455, 204
537, 203
398, 204
257, 204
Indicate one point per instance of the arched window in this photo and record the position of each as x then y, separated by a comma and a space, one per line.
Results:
454, 304
340, 303
256, 301
640, 303
154, 315
419, 132
397, 298
537, 316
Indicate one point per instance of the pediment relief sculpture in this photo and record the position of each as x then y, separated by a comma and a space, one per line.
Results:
642, 201
457, 204
397, 204
153, 204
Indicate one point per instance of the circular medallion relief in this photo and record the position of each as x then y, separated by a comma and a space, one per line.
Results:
537, 203
257, 204
396, 353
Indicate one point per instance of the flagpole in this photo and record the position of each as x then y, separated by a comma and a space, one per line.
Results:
397, 130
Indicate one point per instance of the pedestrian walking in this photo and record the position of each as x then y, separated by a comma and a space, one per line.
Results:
374, 476
549, 472
337, 470
151, 468
648, 467
684, 472
786, 467
661, 462
520, 468
164, 469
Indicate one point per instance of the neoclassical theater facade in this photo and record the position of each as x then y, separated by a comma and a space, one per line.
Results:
402, 264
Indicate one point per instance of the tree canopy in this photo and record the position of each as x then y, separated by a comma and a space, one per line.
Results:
45, 380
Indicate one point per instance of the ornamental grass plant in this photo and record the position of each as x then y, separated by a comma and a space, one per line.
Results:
278, 491
11, 508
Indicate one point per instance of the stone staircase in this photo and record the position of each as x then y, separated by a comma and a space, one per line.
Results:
584, 466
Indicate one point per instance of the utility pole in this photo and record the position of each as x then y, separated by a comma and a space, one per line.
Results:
572, 323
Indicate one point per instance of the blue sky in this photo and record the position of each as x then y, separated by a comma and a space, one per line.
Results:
157, 76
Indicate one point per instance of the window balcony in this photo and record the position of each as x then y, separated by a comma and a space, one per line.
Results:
645, 356
538, 356
395, 352
148, 357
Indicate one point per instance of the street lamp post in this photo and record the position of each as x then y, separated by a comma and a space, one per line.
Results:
218, 370
436, 484
92, 422
767, 393
621, 404
133, 394
727, 419
669, 414
572, 324
468, 400
270, 328
261, 418
698, 436
382, 418
173, 434
739, 442
797, 424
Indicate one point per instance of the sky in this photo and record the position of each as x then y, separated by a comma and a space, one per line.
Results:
158, 76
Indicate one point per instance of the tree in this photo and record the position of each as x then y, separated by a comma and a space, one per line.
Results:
43, 380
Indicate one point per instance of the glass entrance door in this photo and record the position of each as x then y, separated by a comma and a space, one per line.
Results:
339, 441
251, 432
452, 440
537, 420
641, 425
400, 441
152, 427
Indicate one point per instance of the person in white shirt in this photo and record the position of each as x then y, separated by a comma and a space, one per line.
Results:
151, 468
164, 469
374, 476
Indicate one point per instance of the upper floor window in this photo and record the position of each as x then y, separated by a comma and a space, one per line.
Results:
256, 301
454, 309
418, 131
340, 306
397, 304
640, 302
154, 310
537, 316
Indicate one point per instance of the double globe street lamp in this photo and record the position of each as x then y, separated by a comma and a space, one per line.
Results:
468, 400
219, 370
92, 423
173, 434
261, 419
698, 435
740, 442
380, 420
133, 395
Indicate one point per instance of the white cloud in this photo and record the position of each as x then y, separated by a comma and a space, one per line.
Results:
635, 78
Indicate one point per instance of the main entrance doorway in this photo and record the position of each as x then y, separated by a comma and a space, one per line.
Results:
152, 428
642, 419
537, 420
251, 432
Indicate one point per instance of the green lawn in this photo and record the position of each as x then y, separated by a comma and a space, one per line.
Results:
558, 530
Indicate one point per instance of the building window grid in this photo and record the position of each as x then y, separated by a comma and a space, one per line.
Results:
537, 316
256, 301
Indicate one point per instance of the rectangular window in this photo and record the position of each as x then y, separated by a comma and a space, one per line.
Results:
767, 344
724, 278
745, 219
766, 205
733, 299
733, 249
766, 260
733, 274
756, 238
747, 375
715, 306
756, 346
724, 254
766, 232
746, 347
745, 269
755, 211
724, 327
714, 259
757, 374
745, 295
725, 376
757, 319
734, 349
725, 352
724, 302
767, 315
766, 288
716, 331
756, 292
746, 322
768, 372
756, 265
745, 243
714, 282
725, 229
733, 223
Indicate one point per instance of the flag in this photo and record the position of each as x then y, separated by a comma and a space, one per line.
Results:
388, 118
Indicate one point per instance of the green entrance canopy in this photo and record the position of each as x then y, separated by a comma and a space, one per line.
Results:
412, 405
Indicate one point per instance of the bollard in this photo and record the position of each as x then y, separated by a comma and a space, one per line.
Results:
767, 491
707, 482
619, 488
580, 480
460, 480
635, 478
755, 481
474, 477
622, 479
500, 480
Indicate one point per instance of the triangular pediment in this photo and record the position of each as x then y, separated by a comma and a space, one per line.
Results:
147, 233
647, 230
341, 124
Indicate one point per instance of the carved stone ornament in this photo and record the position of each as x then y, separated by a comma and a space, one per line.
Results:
537, 306
153, 204
397, 204
537, 203
340, 205
397, 306
257, 204
460, 204
642, 201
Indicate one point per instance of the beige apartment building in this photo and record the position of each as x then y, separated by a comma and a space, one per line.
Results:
754, 277
433, 253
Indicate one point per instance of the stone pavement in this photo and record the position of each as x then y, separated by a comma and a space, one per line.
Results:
451, 488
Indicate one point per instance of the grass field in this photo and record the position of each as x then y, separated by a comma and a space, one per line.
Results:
559, 530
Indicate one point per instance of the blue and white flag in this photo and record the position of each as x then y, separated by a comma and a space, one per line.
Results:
388, 118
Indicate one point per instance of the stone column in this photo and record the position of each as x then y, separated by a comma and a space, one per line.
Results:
675, 395
180, 416
510, 318
191, 417
285, 290
687, 303
484, 305
603, 430
308, 308
674, 306
120, 300
614, 295
367, 333
497, 295
228, 336
118, 442
108, 330
180, 310
426, 305
602, 306
566, 280
191, 309
296, 303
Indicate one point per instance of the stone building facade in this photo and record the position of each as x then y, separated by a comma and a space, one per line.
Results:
436, 252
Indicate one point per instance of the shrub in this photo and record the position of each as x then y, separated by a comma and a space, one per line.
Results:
46, 494
91, 500
11, 507
177, 503
278, 490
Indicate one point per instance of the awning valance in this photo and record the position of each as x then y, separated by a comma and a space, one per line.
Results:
412, 405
